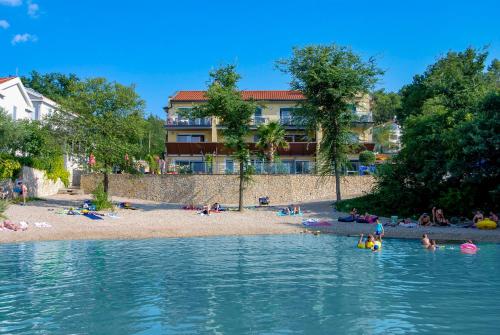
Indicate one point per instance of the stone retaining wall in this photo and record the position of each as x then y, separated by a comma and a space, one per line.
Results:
208, 189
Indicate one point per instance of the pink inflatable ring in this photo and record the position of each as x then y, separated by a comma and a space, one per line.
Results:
468, 248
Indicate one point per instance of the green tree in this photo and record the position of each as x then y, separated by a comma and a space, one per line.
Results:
153, 141
454, 82
224, 101
10, 133
367, 157
451, 140
103, 118
271, 138
385, 106
330, 77
55, 86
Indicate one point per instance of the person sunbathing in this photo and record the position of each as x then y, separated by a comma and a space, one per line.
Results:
438, 217
296, 210
424, 220
7, 224
216, 207
493, 217
205, 210
478, 216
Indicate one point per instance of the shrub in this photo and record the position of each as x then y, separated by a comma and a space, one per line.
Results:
101, 200
9, 167
4, 204
367, 157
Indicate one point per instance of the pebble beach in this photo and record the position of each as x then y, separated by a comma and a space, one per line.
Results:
160, 220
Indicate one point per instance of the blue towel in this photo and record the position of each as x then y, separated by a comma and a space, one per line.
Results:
93, 216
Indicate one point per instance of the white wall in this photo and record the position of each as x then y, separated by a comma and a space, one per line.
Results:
11, 97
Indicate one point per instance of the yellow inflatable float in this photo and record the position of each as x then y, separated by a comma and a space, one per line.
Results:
486, 224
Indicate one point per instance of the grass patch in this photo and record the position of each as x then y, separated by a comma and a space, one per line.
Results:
19, 200
4, 204
101, 199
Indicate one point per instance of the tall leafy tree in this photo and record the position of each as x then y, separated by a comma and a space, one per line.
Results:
225, 102
330, 77
153, 139
386, 106
451, 140
271, 138
55, 86
104, 119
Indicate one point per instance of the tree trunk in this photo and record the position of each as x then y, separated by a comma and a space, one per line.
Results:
242, 177
106, 181
337, 179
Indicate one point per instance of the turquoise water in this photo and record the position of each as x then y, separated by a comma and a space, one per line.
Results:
299, 284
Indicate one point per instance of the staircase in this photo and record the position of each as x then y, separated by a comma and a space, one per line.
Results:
73, 190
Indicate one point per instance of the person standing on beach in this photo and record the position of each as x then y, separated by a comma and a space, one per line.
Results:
24, 192
379, 229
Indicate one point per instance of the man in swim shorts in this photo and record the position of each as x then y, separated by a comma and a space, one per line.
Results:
425, 241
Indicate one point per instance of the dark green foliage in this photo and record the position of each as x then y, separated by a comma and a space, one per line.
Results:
55, 86
451, 141
367, 157
385, 106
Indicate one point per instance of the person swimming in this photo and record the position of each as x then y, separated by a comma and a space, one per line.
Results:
367, 243
432, 246
361, 243
377, 244
425, 241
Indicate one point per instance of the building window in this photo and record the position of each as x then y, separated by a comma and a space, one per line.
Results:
190, 138
14, 113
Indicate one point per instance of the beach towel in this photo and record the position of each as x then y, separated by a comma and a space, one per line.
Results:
316, 223
92, 216
113, 215
346, 219
42, 225
280, 213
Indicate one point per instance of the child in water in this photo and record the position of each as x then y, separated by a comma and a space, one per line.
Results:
377, 244
368, 243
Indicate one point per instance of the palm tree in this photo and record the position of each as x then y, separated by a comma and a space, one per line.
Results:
271, 138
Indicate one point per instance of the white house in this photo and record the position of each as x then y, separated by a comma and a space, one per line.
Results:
42, 105
14, 99
21, 103
24, 103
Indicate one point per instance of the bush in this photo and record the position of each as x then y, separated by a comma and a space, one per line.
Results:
4, 204
101, 200
9, 167
367, 157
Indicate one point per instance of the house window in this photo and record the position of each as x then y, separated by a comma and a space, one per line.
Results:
190, 138
14, 113
302, 167
36, 116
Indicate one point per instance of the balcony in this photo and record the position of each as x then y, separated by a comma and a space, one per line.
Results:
180, 122
290, 122
259, 120
202, 148
362, 117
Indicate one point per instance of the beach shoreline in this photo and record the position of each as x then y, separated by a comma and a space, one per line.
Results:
162, 220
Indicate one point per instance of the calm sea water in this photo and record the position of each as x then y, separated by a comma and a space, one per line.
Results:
246, 285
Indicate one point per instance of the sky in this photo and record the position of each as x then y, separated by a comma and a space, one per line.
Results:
165, 46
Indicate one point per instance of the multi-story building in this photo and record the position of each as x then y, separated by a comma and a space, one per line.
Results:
190, 141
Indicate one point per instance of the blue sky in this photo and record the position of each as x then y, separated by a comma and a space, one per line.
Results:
164, 46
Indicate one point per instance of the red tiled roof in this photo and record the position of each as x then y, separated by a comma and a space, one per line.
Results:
256, 95
3, 80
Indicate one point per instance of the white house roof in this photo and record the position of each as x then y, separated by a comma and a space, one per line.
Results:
9, 82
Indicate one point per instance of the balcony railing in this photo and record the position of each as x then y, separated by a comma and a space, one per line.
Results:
362, 117
258, 168
218, 148
186, 122
259, 120
289, 121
